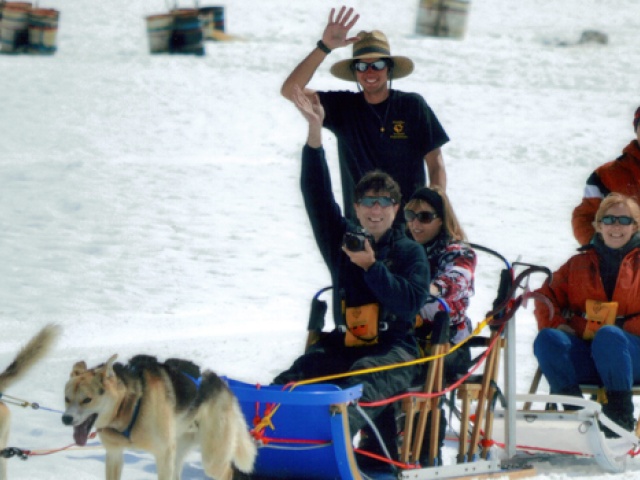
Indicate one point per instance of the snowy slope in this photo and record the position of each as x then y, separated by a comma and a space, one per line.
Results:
151, 204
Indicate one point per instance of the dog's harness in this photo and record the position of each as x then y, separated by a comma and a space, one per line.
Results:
134, 417
196, 381
127, 432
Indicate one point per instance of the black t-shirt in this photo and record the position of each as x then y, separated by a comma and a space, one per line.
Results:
393, 136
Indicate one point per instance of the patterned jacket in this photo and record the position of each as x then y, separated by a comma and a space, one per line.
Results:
621, 175
453, 266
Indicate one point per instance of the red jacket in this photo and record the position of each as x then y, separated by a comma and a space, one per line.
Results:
579, 280
621, 175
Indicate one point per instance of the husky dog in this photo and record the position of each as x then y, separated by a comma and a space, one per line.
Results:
166, 409
33, 351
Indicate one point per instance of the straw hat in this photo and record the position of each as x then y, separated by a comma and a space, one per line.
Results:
372, 44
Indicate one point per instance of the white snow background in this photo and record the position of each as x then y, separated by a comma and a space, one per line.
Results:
150, 204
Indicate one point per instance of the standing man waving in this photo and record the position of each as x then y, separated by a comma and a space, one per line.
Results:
376, 127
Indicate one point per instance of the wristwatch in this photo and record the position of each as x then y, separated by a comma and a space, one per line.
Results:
323, 46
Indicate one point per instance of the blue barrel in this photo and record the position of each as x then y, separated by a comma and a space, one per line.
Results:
187, 32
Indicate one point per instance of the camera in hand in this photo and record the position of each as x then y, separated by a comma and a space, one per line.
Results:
355, 241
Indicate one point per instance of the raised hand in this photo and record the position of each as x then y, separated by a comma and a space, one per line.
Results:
310, 106
335, 33
313, 111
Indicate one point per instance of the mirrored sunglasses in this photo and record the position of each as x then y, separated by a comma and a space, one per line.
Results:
364, 66
371, 201
423, 217
622, 220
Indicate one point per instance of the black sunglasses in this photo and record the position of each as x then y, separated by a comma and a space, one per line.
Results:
364, 66
622, 220
371, 201
423, 217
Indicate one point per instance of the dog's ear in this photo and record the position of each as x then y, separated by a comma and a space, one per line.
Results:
109, 366
78, 369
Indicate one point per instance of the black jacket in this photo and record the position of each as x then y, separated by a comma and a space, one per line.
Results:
398, 281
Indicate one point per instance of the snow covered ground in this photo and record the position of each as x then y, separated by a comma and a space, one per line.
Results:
151, 204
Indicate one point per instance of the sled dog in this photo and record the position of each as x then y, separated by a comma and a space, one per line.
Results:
166, 409
33, 351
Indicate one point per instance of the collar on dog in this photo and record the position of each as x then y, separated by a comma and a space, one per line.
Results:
136, 411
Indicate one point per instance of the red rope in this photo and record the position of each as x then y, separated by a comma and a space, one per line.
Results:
634, 453
448, 389
301, 441
405, 466
32, 453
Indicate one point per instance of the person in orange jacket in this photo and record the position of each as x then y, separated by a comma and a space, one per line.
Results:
620, 175
588, 313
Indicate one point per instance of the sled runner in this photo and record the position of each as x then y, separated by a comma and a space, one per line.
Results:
575, 433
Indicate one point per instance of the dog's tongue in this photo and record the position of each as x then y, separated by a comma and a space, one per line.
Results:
81, 432
80, 435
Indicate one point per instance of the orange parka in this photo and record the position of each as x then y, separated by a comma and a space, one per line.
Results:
621, 175
579, 280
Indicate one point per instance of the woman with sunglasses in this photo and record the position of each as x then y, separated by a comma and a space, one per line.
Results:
588, 314
432, 222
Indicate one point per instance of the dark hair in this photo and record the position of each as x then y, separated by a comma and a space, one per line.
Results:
378, 181
439, 201
390, 63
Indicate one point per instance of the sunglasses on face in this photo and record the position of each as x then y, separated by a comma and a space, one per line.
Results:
622, 220
423, 217
371, 201
375, 66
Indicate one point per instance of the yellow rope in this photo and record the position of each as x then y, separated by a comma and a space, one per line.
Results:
382, 368
266, 420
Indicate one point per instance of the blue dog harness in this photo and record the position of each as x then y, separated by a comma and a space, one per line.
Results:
127, 432
136, 411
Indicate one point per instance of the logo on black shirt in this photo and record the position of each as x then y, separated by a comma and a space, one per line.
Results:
398, 130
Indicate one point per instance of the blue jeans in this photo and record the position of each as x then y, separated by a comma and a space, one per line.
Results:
612, 359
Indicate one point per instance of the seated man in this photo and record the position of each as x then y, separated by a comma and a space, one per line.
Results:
378, 286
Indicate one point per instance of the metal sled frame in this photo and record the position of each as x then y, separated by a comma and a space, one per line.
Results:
600, 448
469, 464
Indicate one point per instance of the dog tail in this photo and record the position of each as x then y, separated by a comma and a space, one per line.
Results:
226, 444
29, 355
246, 450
